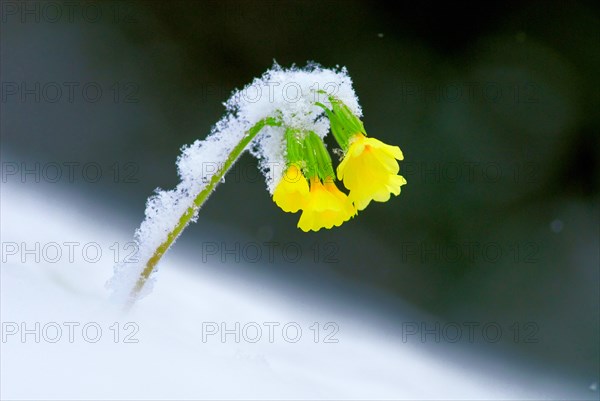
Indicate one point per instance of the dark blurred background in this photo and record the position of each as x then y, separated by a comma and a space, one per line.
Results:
495, 106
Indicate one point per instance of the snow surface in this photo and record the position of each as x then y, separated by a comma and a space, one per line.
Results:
170, 360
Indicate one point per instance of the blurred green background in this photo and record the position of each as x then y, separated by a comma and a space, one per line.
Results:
495, 106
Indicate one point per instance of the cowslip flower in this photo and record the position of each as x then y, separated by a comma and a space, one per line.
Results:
324, 205
370, 167
370, 170
292, 192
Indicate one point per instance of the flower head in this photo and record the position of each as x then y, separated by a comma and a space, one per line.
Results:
370, 167
291, 193
370, 171
326, 207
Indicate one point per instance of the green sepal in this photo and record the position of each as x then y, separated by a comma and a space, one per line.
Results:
317, 158
344, 124
294, 139
306, 150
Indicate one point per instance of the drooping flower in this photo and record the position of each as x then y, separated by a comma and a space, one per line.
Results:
370, 167
370, 171
326, 207
349, 208
292, 192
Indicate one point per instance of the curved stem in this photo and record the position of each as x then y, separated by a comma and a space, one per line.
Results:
198, 202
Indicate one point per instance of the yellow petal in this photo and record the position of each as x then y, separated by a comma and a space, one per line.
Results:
326, 207
393, 151
292, 191
369, 170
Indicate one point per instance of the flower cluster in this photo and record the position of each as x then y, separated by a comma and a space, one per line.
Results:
369, 170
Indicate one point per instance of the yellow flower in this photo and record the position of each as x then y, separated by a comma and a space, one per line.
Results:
326, 207
369, 170
292, 191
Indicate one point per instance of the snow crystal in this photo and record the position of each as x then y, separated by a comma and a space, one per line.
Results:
286, 94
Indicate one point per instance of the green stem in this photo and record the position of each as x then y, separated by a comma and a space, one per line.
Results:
198, 202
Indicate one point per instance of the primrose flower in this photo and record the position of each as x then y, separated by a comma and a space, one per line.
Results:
291, 193
370, 171
326, 207
370, 167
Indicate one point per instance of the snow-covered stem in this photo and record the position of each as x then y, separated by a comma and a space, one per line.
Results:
256, 119
198, 202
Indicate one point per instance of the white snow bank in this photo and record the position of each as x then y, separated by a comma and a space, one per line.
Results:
170, 360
